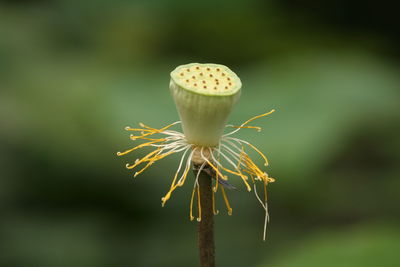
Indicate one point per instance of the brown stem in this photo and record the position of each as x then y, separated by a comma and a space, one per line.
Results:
206, 225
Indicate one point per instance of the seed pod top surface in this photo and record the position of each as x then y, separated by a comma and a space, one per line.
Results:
207, 79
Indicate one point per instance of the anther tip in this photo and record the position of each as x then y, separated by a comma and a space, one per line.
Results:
136, 174
118, 153
199, 219
127, 128
230, 212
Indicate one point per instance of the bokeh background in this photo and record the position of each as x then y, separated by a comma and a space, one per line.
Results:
74, 73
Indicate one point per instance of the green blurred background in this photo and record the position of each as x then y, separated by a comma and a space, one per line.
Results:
74, 73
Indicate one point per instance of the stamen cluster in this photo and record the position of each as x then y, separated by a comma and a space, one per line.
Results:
228, 157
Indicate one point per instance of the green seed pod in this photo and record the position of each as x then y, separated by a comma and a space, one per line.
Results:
204, 95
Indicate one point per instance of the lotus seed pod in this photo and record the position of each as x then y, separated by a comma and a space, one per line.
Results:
204, 95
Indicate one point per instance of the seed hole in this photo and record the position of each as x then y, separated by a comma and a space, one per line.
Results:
223, 74
218, 69
204, 87
195, 84
193, 77
211, 75
188, 70
208, 68
204, 81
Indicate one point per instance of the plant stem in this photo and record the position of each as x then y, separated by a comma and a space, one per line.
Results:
206, 225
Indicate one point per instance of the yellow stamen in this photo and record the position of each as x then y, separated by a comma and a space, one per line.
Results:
127, 128
145, 158
141, 124
161, 156
136, 147
158, 130
172, 188
152, 160
259, 152
153, 139
226, 201
215, 169
134, 137
257, 117
198, 204
149, 130
143, 169
251, 166
191, 204
244, 177
239, 163
252, 178
215, 211
247, 127
181, 182
215, 189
